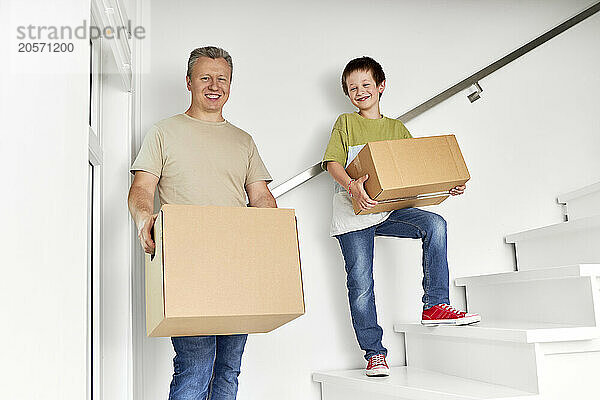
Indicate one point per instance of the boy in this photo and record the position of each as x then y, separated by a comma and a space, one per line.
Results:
363, 81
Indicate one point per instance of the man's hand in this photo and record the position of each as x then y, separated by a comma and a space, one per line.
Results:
357, 190
458, 190
140, 201
145, 233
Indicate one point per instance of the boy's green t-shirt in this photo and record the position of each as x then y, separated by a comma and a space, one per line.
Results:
349, 135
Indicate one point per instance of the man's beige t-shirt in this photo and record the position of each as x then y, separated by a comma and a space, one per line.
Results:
199, 162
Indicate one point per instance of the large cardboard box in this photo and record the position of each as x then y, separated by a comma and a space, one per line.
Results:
222, 270
409, 172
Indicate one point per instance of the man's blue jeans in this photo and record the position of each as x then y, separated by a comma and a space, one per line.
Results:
206, 367
357, 248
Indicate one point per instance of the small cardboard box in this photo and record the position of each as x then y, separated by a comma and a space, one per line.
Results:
222, 270
409, 172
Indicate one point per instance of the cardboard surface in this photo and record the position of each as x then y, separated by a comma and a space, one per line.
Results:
222, 270
409, 172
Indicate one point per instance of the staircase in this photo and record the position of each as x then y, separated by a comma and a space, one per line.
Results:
540, 334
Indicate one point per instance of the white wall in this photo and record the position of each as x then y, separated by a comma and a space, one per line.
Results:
43, 158
534, 134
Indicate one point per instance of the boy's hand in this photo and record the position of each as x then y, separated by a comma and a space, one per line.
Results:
357, 188
458, 190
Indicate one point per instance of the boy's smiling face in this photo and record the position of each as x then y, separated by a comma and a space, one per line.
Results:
363, 91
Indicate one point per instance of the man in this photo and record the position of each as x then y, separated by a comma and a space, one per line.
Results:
199, 158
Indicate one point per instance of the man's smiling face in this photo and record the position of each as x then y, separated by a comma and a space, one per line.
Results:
210, 83
362, 89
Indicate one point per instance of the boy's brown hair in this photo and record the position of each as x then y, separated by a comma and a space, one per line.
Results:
363, 64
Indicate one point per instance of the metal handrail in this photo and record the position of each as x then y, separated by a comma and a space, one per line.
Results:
472, 80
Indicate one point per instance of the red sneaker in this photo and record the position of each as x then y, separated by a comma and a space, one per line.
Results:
377, 366
447, 315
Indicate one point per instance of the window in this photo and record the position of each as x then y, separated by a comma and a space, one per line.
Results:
95, 86
94, 262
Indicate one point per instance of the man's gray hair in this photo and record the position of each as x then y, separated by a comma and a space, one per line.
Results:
210, 52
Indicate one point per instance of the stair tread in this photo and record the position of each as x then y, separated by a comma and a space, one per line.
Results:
409, 382
511, 331
584, 191
560, 228
569, 271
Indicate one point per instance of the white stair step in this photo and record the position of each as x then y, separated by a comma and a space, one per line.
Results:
410, 383
552, 230
566, 243
497, 362
564, 295
584, 202
519, 332
570, 271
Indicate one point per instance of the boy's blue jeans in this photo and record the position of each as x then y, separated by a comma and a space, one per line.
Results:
357, 248
206, 367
